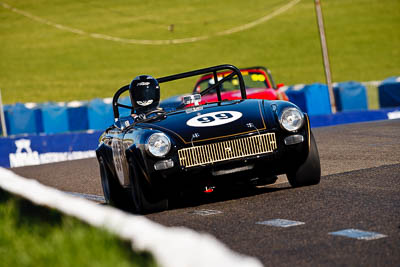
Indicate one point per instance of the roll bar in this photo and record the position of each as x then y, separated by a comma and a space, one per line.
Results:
216, 85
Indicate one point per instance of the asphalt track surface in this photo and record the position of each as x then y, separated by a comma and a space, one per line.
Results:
359, 189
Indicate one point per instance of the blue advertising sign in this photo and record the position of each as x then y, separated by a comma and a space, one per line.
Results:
40, 149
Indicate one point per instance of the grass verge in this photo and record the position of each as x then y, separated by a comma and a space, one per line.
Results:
40, 62
32, 235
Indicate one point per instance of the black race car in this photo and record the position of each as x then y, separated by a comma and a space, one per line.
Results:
148, 158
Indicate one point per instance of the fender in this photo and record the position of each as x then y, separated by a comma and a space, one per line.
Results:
308, 131
106, 153
135, 158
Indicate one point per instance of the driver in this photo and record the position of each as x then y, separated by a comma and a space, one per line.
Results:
144, 92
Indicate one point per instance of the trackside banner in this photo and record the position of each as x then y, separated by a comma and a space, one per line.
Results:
41, 149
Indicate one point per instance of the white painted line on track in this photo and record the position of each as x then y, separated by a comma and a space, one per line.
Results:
280, 223
205, 212
252, 24
170, 246
358, 234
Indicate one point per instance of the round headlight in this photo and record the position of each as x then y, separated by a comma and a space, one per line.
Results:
291, 119
158, 145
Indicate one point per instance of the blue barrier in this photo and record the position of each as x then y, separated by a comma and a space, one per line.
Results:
389, 92
55, 118
41, 149
313, 99
77, 116
350, 96
23, 120
354, 116
123, 112
100, 114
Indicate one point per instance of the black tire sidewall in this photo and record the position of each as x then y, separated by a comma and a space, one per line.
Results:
105, 184
141, 193
114, 193
309, 172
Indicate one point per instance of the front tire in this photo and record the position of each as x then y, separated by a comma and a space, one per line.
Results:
145, 198
309, 172
114, 193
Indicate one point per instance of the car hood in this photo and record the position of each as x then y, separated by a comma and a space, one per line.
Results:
213, 121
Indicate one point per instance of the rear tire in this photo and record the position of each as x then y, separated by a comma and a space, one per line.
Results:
114, 193
145, 198
309, 172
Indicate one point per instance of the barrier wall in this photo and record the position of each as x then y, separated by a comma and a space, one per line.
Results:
77, 116
350, 96
23, 120
41, 149
354, 116
312, 99
52, 118
389, 92
100, 114
55, 118
123, 112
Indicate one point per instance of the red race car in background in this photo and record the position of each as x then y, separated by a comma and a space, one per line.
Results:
258, 81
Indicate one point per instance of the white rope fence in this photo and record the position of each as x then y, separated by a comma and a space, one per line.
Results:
171, 247
247, 26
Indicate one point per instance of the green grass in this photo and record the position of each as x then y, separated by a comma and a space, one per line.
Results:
36, 236
42, 63
373, 97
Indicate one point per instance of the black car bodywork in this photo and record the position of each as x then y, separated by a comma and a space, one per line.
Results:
208, 146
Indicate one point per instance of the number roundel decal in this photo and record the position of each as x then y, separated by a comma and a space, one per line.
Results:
214, 118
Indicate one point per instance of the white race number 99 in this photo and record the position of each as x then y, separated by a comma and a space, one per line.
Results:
214, 118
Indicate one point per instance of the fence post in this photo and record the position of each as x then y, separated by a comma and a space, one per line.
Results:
325, 56
2, 118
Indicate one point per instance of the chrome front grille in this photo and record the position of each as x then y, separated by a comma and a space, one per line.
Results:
226, 150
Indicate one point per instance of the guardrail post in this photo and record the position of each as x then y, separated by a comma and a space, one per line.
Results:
2, 118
